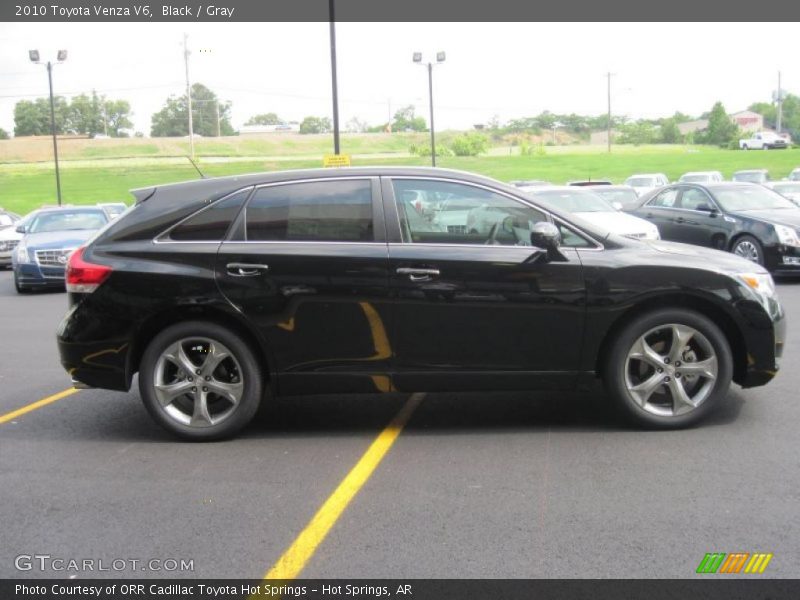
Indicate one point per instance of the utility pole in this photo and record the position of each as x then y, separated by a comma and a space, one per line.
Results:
430, 93
216, 110
608, 130
331, 10
188, 93
780, 104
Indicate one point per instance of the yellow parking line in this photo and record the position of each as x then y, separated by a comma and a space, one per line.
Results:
34, 405
295, 557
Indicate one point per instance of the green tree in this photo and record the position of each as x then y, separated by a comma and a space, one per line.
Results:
33, 117
3, 134
405, 119
315, 125
721, 130
670, 134
173, 119
637, 132
469, 144
85, 114
117, 117
264, 119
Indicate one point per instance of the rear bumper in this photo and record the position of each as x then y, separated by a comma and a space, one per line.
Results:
101, 364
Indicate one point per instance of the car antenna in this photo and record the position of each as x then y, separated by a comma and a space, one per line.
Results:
194, 164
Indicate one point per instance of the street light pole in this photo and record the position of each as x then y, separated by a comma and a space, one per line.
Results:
53, 129
33, 55
334, 84
440, 58
608, 129
430, 93
188, 93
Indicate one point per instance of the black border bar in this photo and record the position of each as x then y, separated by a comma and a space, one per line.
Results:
706, 588
398, 10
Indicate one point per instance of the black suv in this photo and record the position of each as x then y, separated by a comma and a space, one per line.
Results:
401, 279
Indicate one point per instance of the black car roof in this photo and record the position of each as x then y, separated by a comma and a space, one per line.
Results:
211, 186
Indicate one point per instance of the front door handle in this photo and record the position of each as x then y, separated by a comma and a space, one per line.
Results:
245, 269
418, 275
680, 220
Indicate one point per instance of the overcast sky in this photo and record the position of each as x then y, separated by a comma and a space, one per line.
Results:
504, 69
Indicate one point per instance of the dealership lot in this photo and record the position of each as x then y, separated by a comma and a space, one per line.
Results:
477, 485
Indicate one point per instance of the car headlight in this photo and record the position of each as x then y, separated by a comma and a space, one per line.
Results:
22, 253
759, 282
787, 235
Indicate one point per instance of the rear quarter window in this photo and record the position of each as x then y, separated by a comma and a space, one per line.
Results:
212, 223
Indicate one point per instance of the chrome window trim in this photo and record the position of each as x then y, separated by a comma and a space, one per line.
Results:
524, 201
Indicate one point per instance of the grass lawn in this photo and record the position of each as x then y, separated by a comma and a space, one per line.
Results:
24, 187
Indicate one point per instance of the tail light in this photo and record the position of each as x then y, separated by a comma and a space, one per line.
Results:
84, 277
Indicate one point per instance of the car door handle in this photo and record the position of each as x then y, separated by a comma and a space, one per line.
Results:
649, 215
680, 220
418, 274
245, 269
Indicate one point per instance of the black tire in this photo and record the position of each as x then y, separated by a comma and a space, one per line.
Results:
21, 289
745, 147
616, 377
754, 244
250, 374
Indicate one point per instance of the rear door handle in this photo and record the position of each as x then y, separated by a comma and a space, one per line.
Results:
418, 274
245, 269
680, 220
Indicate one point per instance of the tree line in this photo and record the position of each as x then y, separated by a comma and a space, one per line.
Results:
95, 114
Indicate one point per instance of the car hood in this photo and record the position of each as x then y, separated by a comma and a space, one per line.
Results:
782, 216
58, 239
9, 233
689, 255
617, 222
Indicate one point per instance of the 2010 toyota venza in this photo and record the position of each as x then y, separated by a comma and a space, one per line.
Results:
222, 292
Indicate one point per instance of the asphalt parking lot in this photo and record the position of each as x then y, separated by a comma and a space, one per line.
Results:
475, 486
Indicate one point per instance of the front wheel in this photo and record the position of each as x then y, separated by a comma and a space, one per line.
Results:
200, 381
668, 369
750, 248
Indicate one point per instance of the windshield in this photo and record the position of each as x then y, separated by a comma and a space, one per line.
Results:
697, 178
576, 202
68, 221
627, 198
750, 176
750, 198
641, 181
787, 188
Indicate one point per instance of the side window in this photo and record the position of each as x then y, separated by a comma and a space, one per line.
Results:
570, 239
665, 199
325, 211
211, 224
441, 212
692, 198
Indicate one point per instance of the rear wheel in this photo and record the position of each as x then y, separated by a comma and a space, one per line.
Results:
200, 381
668, 369
750, 248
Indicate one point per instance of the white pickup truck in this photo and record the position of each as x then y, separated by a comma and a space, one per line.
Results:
764, 140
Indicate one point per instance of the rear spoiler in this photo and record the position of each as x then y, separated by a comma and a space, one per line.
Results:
143, 194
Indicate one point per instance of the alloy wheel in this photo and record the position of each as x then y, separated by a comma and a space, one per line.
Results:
747, 249
198, 382
671, 370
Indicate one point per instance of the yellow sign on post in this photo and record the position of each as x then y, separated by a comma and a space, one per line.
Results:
336, 160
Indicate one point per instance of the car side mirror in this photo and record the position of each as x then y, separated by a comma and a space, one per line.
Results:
707, 208
20, 229
547, 236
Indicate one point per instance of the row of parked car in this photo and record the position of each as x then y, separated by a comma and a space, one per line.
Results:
749, 216
38, 245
